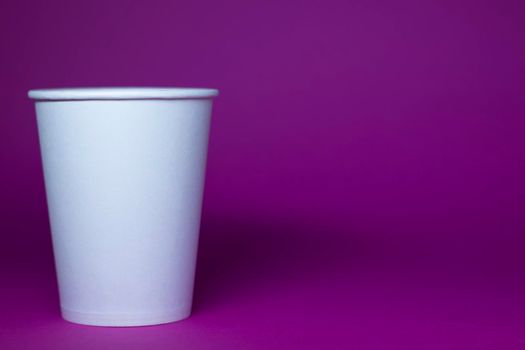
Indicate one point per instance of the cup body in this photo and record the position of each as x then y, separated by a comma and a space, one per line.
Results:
124, 181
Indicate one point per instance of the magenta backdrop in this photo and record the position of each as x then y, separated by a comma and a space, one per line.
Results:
366, 170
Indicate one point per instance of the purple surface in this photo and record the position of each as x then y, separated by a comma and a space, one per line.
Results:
366, 170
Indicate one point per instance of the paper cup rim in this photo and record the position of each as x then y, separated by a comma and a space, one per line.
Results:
122, 93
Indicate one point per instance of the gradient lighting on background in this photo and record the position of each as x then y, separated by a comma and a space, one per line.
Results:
365, 183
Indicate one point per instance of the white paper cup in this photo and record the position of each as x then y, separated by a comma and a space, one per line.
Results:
124, 173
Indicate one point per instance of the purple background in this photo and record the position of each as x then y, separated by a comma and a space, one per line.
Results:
366, 170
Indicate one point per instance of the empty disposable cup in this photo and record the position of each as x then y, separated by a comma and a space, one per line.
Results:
124, 173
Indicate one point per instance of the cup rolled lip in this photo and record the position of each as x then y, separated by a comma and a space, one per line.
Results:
122, 93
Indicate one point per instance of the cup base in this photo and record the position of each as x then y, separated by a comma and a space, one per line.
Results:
123, 320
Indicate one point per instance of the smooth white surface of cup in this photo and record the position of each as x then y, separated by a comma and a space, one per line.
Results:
124, 173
